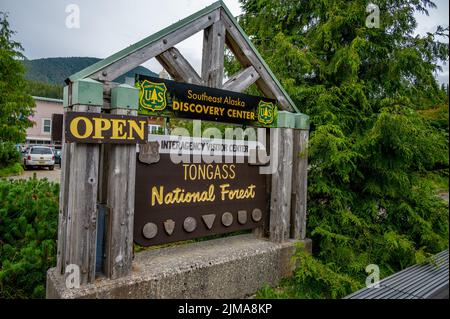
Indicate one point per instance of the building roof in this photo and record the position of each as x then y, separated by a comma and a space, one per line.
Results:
47, 99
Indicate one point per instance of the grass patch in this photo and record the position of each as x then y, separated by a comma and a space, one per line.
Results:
12, 170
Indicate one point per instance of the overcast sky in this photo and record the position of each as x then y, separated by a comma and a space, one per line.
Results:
108, 26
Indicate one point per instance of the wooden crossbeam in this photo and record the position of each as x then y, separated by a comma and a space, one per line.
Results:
213, 55
129, 62
178, 67
242, 80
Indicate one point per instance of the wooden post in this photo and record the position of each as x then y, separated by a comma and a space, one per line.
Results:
281, 141
121, 172
300, 177
299, 184
78, 214
213, 55
65, 164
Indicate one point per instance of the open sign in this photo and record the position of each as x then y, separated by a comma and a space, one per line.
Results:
105, 128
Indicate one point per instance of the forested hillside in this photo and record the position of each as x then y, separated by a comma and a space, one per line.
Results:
46, 76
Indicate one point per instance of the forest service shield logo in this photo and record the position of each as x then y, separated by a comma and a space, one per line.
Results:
266, 112
152, 96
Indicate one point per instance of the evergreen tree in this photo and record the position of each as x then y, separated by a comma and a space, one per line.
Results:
368, 200
15, 104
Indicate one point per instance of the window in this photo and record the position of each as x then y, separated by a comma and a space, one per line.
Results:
41, 150
46, 125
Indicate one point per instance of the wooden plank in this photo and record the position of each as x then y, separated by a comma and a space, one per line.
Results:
299, 184
281, 141
153, 49
263, 136
213, 55
120, 200
81, 204
178, 67
245, 55
241, 80
62, 215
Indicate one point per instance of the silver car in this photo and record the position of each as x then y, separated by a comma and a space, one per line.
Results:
39, 156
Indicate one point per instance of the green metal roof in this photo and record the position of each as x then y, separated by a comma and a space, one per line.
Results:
164, 32
47, 99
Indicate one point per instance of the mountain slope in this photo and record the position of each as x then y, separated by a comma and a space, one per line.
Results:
56, 70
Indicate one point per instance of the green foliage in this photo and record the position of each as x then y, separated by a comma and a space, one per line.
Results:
11, 170
15, 104
9, 154
28, 229
35, 88
379, 125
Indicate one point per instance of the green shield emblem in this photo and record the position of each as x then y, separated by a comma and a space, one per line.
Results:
152, 96
266, 112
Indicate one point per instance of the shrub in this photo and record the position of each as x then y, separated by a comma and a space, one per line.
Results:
9, 154
28, 231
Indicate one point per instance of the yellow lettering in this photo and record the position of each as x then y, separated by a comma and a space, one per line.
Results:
139, 129
100, 125
74, 127
117, 129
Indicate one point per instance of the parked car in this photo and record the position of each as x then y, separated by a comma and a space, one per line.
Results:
42, 156
58, 154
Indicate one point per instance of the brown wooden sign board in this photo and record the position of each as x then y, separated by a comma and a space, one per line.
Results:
82, 127
182, 201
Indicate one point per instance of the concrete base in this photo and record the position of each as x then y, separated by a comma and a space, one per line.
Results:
232, 267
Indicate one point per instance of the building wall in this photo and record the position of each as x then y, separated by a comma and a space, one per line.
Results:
44, 109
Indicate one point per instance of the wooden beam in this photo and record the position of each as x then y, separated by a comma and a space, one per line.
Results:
246, 56
81, 229
242, 80
280, 202
120, 200
213, 55
299, 184
178, 67
129, 62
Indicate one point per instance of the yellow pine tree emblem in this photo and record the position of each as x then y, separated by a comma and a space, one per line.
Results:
266, 112
152, 96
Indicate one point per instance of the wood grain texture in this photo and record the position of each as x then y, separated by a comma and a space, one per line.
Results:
153, 49
178, 67
120, 200
213, 55
241, 80
62, 215
299, 184
281, 141
81, 189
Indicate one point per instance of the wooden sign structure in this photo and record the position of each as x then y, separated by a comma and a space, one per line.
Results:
98, 180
